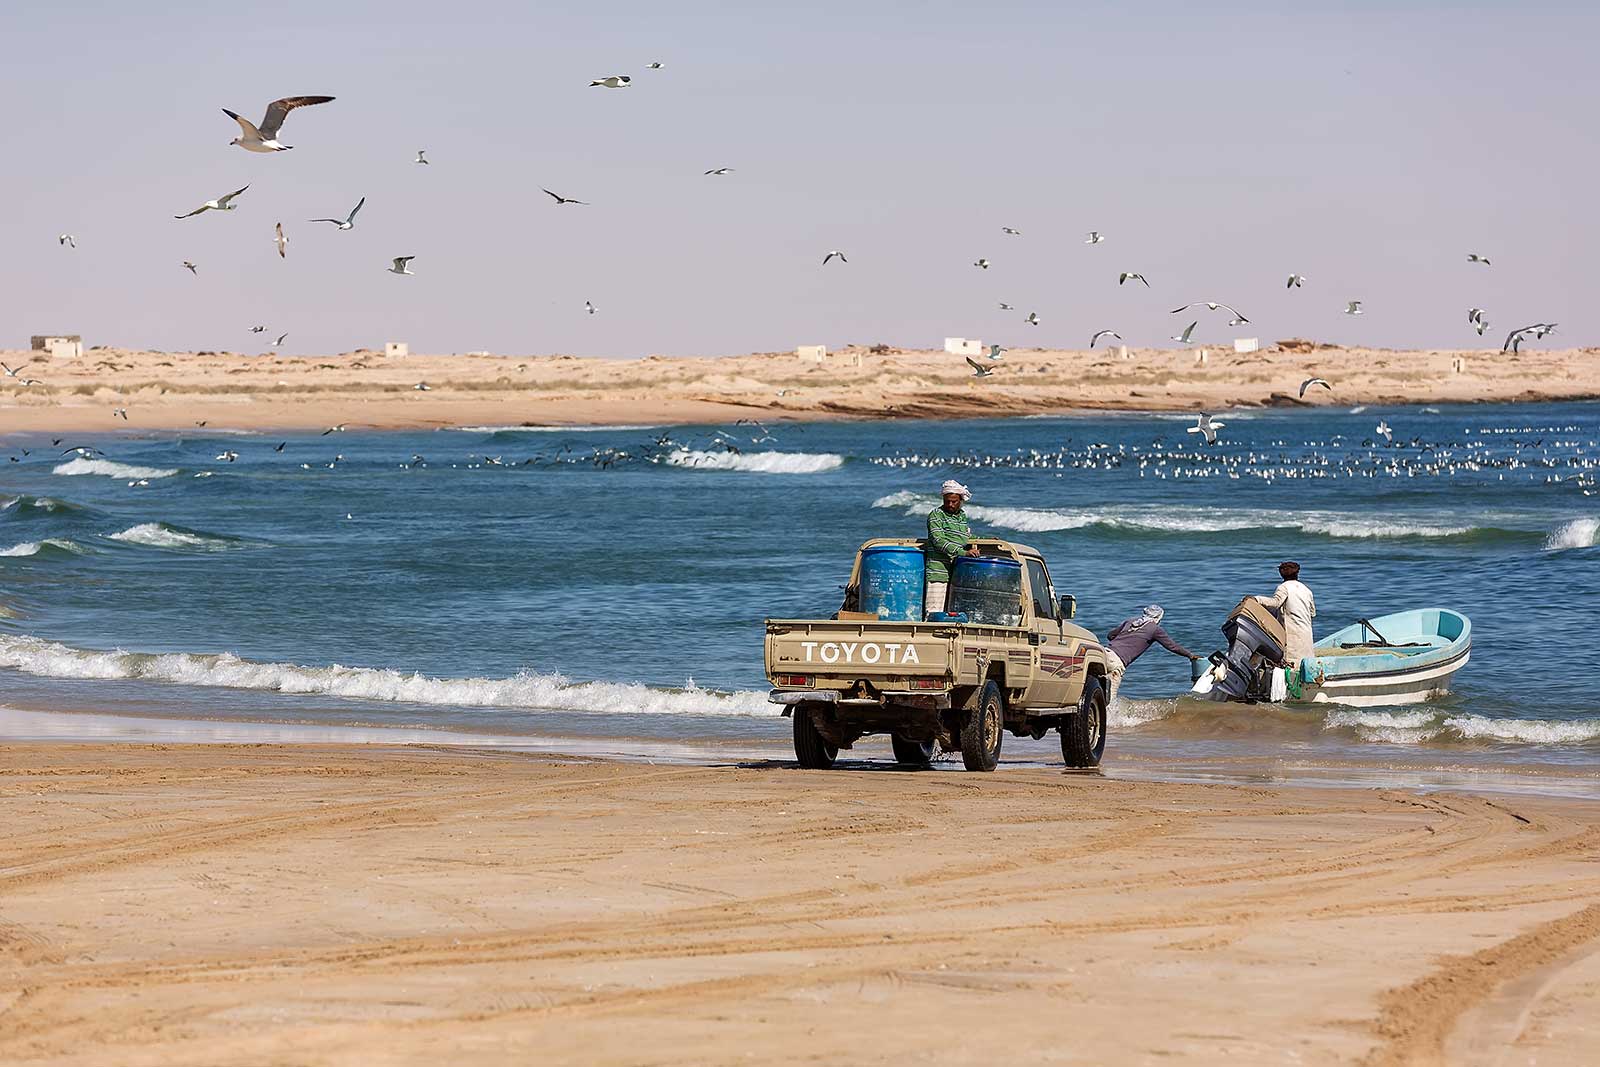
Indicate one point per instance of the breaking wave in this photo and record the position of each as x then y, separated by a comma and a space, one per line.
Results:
50, 546
758, 462
33, 506
1579, 533
529, 690
1414, 725
1155, 519
555, 429
161, 535
111, 469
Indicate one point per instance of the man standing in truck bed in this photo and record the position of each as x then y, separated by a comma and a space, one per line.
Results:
948, 533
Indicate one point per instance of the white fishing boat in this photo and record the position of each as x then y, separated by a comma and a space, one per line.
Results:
1403, 658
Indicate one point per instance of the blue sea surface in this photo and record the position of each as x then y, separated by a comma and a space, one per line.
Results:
613, 582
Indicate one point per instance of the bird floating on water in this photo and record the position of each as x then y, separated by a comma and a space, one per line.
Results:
401, 265
1125, 275
221, 203
264, 138
349, 221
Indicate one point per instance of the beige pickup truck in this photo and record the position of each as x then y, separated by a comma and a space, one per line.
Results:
1017, 663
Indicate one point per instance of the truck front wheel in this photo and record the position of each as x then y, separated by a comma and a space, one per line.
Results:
981, 733
914, 753
1083, 736
810, 747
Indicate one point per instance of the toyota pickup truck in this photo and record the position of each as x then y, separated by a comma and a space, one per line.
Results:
1000, 659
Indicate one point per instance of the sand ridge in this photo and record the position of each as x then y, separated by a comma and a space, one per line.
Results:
367, 389
312, 905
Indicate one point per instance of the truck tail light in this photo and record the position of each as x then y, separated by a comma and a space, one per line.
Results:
927, 683
802, 681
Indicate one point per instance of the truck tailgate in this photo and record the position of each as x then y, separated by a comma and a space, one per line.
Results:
865, 649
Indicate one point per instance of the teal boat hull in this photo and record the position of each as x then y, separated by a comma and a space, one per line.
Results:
1404, 658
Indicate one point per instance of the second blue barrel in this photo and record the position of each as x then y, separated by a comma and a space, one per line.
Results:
988, 589
891, 582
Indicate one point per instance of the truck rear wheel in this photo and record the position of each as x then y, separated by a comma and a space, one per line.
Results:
915, 753
810, 747
983, 730
1083, 736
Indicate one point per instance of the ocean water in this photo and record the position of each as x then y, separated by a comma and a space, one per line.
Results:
612, 582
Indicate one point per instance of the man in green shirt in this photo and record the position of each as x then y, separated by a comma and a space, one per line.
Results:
948, 533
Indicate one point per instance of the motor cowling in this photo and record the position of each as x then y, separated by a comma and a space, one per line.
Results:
1255, 638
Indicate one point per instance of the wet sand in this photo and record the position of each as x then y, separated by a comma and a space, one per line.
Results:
174, 391
381, 905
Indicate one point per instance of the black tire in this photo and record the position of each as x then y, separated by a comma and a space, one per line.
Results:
912, 753
1083, 736
982, 732
810, 747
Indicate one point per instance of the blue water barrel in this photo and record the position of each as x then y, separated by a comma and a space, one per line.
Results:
988, 589
891, 582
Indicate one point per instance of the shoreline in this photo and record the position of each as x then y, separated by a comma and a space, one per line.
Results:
329, 904
368, 390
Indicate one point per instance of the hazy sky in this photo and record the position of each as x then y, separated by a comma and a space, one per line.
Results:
1219, 146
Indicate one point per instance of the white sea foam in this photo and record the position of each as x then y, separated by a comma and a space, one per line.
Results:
545, 691
110, 469
1579, 533
757, 462
1178, 519
1129, 713
33, 548
160, 535
1535, 731
553, 429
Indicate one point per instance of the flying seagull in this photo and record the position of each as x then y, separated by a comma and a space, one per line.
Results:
559, 199
68, 240
120, 413
221, 203
1353, 307
614, 81
831, 255
422, 387
1516, 337
720, 170
1482, 325
982, 264
402, 265
978, 369
258, 329
1309, 382
1238, 319
1007, 307
1473, 257
1384, 430
1188, 332
421, 158
190, 268
280, 240
227, 455
1474, 314
656, 65
12, 372
1125, 275
264, 138
349, 221
1011, 230
589, 307
1094, 238
1207, 427
1296, 281
1032, 319
279, 342
995, 352
1104, 333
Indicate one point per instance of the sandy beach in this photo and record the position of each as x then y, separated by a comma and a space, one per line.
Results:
174, 391
329, 905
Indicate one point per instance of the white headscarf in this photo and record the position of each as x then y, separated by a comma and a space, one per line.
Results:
953, 486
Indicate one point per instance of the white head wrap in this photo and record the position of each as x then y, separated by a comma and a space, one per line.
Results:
953, 486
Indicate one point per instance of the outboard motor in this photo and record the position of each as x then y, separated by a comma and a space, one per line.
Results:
1255, 638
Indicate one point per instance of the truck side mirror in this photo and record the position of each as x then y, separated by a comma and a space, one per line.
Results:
1069, 607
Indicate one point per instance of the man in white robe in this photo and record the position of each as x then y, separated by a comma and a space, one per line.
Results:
1293, 603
